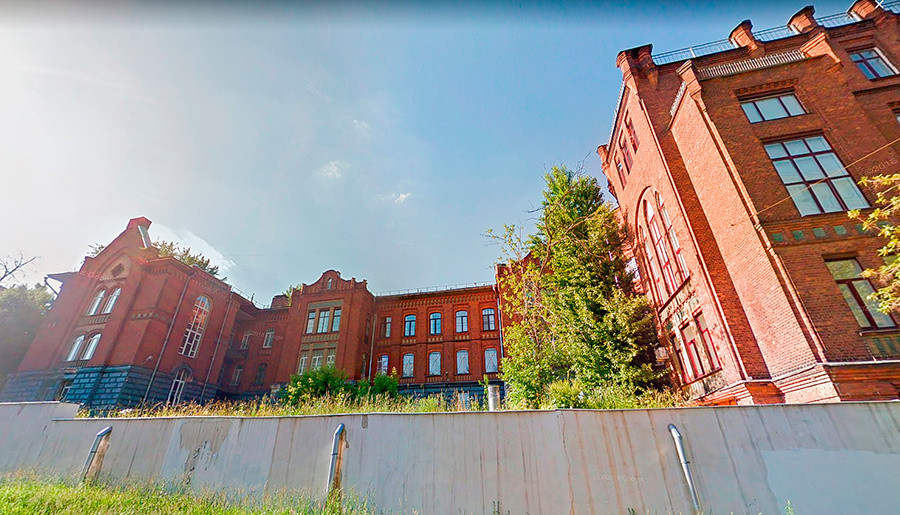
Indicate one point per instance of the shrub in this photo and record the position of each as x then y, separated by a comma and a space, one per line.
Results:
316, 383
384, 384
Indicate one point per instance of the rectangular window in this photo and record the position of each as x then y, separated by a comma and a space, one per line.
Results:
270, 337
462, 362
408, 363
245, 341
857, 291
462, 321
302, 367
329, 357
260, 374
409, 325
316, 362
434, 364
490, 361
488, 320
383, 364
689, 336
873, 64
310, 322
324, 316
434, 323
336, 321
177, 388
814, 176
387, 327
625, 150
709, 349
632, 135
772, 108
621, 171
236, 375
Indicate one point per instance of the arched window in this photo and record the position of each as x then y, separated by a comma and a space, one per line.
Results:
655, 280
328, 284
434, 323
488, 319
659, 246
195, 328
270, 337
177, 388
680, 265
111, 302
91, 346
76, 346
245, 341
95, 304
462, 321
409, 325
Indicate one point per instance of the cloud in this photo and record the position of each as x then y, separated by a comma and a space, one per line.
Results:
333, 170
396, 198
361, 126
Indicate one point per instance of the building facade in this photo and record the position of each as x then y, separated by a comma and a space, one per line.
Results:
734, 164
134, 327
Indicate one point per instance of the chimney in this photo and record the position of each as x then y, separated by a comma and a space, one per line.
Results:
742, 36
804, 21
142, 225
864, 8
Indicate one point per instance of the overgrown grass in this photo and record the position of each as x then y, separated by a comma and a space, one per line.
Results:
32, 494
327, 405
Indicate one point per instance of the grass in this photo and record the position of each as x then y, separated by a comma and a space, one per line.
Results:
32, 494
327, 405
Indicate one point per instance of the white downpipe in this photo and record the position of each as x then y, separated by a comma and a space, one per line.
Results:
335, 466
685, 466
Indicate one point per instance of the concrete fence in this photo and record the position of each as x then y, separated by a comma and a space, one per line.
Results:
827, 458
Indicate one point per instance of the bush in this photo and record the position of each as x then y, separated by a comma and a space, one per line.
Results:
574, 394
331, 382
384, 384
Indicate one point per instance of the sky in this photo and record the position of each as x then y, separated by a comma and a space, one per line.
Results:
283, 139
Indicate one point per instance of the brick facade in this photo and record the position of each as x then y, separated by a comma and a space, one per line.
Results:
166, 331
754, 267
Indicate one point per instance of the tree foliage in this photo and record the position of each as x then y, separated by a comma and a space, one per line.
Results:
21, 311
883, 220
568, 296
168, 248
330, 381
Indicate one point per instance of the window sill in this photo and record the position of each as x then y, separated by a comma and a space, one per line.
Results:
701, 378
879, 331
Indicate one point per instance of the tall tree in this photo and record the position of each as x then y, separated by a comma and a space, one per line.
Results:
567, 290
21, 310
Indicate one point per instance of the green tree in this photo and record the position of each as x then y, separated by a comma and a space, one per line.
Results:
569, 296
883, 220
168, 248
21, 311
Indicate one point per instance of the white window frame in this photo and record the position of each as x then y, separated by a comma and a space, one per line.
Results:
193, 334
409, 326
177, 389
336, 320
111, 302
462, 362
329, 357
95, 304
324, 321
315, 362
383, 362
76, 346
245, 341
236, 375
434, 363
434, 323
301, 368
489, 319
387, 327
462, 322
91, 347
311, 322
270, 337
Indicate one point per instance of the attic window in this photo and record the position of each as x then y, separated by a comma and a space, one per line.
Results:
118, 269
328, 284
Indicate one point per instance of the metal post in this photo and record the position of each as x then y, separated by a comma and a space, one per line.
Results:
493, 397
95, 458
334, 470
685, 466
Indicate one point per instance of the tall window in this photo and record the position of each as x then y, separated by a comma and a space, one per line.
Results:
434, 323
302, 366
310, 321
95, 304
462, 321
387, 327
408, 365
245, 341
91, 346
177, 388
621, 170
316, 361
260, 374
490, 361
409, 325
336, 320
632, 135
324, 317
329, 357
236, 375
772, 108
462, 362
681, 266
194, 332
111, 302
873, 64
625, 151
814, 176
655, 280
856, 291
269, 339
383, 364
328, 284
76, 346
659, 246
696, 350
488, 319
434, 364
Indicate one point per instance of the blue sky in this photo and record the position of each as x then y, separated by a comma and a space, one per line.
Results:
287, 139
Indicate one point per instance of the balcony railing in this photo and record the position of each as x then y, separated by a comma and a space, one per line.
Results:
775, 33
894, 7
694, 51
837, 20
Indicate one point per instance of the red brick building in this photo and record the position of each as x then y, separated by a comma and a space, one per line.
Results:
131, 326
734, 164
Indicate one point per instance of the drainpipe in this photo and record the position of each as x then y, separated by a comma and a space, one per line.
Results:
168, 334
334, 469
685, 466
216, 348
95, 456
372, 344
